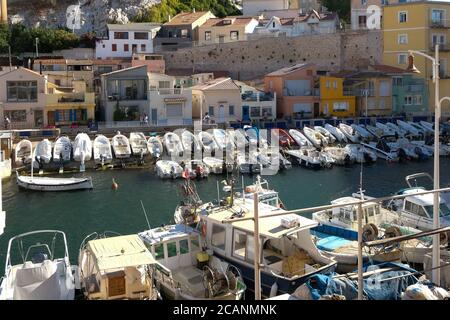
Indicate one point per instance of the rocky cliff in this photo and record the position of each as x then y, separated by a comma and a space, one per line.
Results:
79, 15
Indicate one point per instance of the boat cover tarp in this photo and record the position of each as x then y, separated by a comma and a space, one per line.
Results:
120, 252
374, 289
332, 243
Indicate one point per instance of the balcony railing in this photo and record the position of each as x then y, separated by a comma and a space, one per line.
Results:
88, 97
257, 96
163, 91
442, 47
438, 24
307, 93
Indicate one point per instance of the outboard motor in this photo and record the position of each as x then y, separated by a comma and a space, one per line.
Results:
367, 157
402, 155
347, 160
420, 153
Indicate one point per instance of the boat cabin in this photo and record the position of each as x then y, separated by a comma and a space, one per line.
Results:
347, 216
265, 195
117, 268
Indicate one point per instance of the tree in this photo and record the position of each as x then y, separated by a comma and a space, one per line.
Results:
342, 7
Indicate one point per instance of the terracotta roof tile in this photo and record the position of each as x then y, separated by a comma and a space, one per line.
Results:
186, 18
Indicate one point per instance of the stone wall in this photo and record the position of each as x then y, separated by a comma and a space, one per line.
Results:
252, 59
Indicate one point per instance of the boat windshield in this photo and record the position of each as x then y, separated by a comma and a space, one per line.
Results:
444, 211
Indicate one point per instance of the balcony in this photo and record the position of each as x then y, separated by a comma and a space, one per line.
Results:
442, 47
257, 96
71, 98
315, 92
438, 24
164, 91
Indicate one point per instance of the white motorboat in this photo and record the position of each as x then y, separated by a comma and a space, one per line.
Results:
316, 138
155, 147
327, 134
166, 169
336, 132
428, 126
43, 152
190, 273
239, 138
255, 139
53, 184
223, 140
375, 131
299, 138
62, 150
339, 155
387, 131
248, 164
102, 150
82, 149
360, 153
23, 152
191, 145
307, 157
121, 146
411, 130
39, 271
173, 145
119, 267
413, 151
349, 132
208, 143
138, 144
363, 134
197, 169
423, 131
396, 129
276, 159
382, 150
216, 165
444, 150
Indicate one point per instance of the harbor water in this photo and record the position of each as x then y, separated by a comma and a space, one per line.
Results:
103, 209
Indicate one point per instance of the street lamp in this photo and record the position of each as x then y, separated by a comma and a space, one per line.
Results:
437, 114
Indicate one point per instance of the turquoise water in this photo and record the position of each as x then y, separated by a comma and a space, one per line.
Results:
83, 212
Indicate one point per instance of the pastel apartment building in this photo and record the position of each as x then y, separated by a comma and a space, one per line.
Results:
335, 101
124, 40
229, 29
296, 91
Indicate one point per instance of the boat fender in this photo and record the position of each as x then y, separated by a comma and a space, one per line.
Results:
274, 289
204, 230
114, 185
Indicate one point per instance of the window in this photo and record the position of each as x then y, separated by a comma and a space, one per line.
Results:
417, 100
267, 112
21, 91
335, 84
443, 68
184, 33
438, 39
231, 110
408, 100
171, 249
234, 35
397, 81
159, 251
402, 16
207, 35
362, 21
385, 88
340, 106
120, 35
402, 58
437, 17
16, 115
239, 244
255, 112
402, 38
126, 47
164, 87
184, 246
328, 84
218, 236
141, 35
114, 47
134, 47
211, 110
143, 47
195, 245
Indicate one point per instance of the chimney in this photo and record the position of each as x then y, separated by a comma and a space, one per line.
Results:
4, 11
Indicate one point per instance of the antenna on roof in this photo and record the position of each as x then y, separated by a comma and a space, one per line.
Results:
145, 214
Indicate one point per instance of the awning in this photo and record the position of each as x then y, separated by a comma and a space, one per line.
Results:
270, 227
120, 252
174, 100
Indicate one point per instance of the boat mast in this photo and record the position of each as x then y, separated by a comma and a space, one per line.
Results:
360, 240
256, 254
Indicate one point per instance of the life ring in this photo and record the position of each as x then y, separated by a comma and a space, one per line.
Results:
204, 229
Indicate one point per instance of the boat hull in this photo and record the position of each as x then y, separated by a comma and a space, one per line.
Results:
82, 184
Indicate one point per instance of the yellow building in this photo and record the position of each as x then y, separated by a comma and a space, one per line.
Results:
419, 26
66, 106
333, 100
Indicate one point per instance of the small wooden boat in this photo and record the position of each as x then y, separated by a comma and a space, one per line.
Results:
284, 139
43, 152
327, 134
349, 132
299, 138
316, 138
23, 152
166, 169
138, 144
102, 150
336, 132
121, 146
361, 131
62, 150
155, 147
173, 144
53, 184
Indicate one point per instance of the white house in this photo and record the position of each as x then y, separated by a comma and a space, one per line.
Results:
125, 39
275, 26
255, 7
316, 23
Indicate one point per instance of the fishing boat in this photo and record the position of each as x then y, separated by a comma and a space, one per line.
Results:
53, 184
327, 134
121, 146
349, 132
42, 152
184, 271
387, 131
138, 144
361, 131
336, 132
38, 270
217, 166
166, 169
102, 150
191, 145
82, 149
23, 152
207, 142
340, 155
307, 157
119, 267
288, 255
316, 138
283, 138
299, 138
155, 147
62, 150
360, 154
239, 138
223, 140
173, 145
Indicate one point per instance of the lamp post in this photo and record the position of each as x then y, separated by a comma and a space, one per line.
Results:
437, 114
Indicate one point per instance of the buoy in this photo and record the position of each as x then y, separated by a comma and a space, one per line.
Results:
114, 186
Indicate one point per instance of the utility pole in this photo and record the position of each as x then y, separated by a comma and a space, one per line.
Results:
37, 49
9, 53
